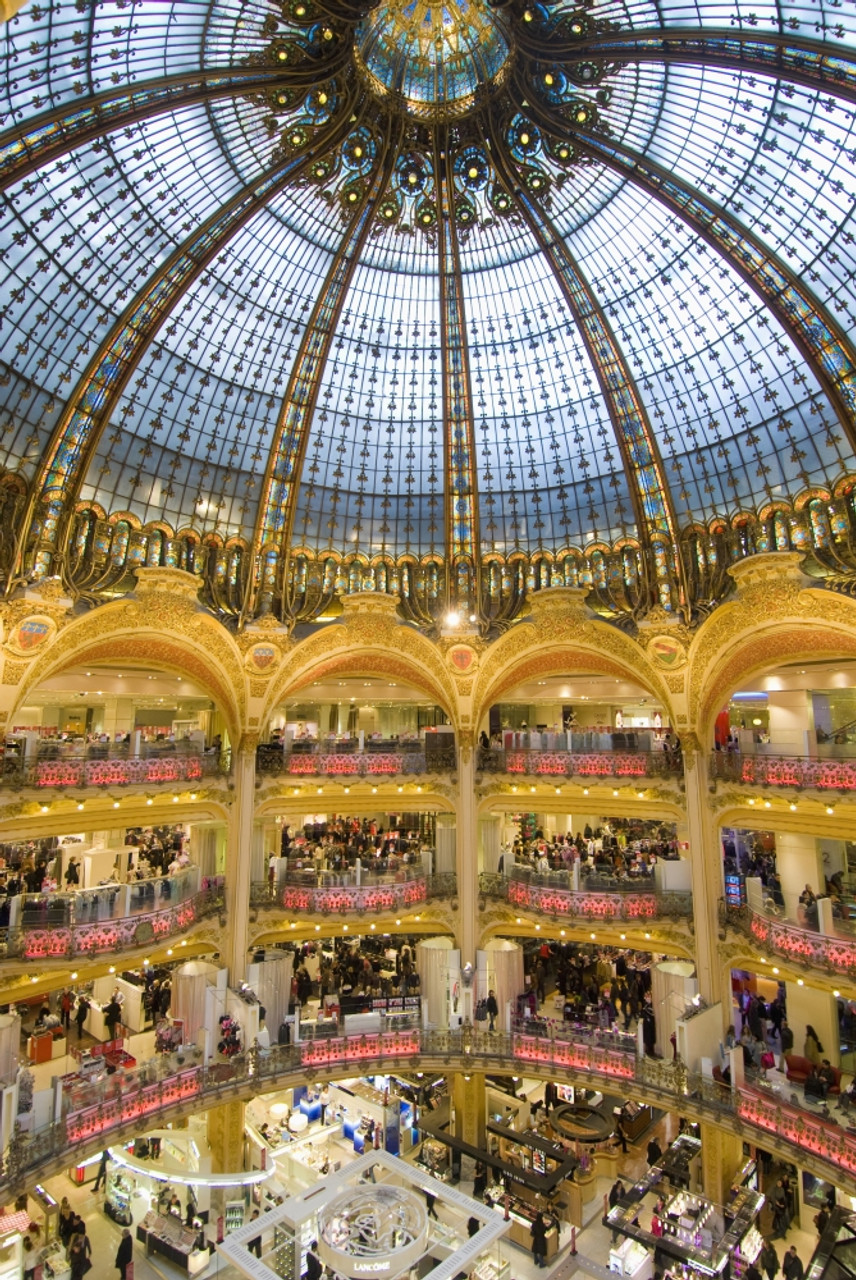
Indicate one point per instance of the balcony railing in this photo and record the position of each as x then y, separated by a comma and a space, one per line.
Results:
573, 764
636, 904
346, 897
57, 939
551, 894
92, 1113
797, 772
117, 771
317, 761
833, 953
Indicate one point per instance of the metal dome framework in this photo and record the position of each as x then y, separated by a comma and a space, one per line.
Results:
455, 301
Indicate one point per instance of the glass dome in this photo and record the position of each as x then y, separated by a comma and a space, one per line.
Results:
461, 302
434, 58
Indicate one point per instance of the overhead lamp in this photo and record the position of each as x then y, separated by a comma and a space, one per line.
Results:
452, 617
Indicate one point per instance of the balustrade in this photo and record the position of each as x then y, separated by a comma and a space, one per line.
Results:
92, 1112
373, 893
110, 771
830, 952
55, 939
316, 761
580, 764
796, 772
551, 894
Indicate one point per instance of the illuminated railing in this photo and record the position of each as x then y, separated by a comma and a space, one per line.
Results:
628, 906
374, 893
835, 954
574, 764
797, 772
120, 771
358, 764
54, 940
92, 1113
552, 895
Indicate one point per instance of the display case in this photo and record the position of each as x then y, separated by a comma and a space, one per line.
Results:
175, 1242
234, 1215
434, 1157
630, 1258
487, 1268
117, 1203
54, 1263
521, 1216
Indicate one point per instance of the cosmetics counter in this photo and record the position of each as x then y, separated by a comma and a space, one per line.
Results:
522, 1215
55, 1266
685, 1230
184, 1247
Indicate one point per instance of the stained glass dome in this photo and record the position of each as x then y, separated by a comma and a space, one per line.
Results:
434, 58
458, 301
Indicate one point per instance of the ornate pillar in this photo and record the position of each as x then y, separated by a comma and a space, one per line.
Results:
226, 1137
468, 1096
489, 835
239, 858
467, 855
721, 1157
706, 857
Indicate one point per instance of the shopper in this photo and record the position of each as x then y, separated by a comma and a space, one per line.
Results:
812, 1049
255, 1245
616, 1191
792, 1267
655, 1151
66, 1001
101, 1176
538, 1232
314, 1268
769, 1260
430, 1199
80, 1013
30, 1258
80, 1256
324, 1100
479, 1180
781, 1210
66, 1218
621, 1135
491, 1009
124, 1253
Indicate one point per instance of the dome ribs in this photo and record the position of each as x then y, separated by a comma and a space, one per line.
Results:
655, 516
269, 556
820, 339
463, 580
42, 542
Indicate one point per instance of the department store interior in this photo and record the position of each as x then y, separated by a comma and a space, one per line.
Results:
427, 639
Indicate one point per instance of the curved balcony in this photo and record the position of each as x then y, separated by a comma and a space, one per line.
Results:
342, 894
799, 773
833, 953
147, 1095
552, 894
50, 927
380, 760
591, 765
110, 770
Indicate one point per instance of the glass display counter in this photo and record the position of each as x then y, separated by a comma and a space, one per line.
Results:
175, 1242
630, 1258
54, 1263
521, 1216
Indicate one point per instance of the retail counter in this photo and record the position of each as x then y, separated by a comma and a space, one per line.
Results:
522, 1216
176, 1243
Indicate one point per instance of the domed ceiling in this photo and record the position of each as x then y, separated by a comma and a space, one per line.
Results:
454, 300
